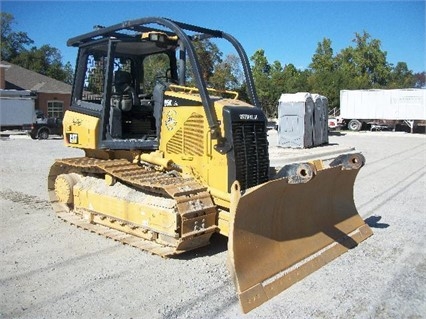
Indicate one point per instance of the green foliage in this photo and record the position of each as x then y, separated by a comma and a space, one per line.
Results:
365, 63
209, 56
326, 76
361, 66
262, 75
95, 74
227, 75
155, 68
420, 79
12, 42
45, 60
322, 60
401, 77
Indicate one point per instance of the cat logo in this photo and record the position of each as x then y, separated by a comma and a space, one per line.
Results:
170, 121
72, 138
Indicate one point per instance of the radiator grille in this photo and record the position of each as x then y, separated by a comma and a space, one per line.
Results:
189, 139
251, 153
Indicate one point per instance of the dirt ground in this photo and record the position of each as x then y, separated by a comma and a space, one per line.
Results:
50, 269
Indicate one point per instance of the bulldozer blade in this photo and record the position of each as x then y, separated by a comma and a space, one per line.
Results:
282, 231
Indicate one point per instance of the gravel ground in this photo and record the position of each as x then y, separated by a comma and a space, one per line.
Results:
53, 270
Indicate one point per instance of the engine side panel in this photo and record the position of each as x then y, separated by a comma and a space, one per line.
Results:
81, 130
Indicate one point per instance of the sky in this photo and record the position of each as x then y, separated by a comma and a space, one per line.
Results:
287, 31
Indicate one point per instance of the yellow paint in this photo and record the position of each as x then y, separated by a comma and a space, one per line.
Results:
80, 130
187, 141
147, 216
110, 180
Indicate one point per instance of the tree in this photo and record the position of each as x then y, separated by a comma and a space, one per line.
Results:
262, 80
363, 66
155, 68
208, 56
95, 74
401, 77
287, 79
323, 60
420, 79
294, 80
69, 73
227, 74
325, 78
277, 85
272, 80
12, 43
45, 60
365, 63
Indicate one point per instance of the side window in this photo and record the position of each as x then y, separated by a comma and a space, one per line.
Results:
94, 78
122, 66
155, 68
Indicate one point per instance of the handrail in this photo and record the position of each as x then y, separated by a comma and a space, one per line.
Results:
192, 90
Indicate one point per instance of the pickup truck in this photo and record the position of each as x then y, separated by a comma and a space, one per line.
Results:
45, 127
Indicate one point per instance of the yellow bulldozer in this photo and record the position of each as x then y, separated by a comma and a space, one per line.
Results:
169, 164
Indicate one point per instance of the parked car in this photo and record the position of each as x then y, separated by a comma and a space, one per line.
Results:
42, 129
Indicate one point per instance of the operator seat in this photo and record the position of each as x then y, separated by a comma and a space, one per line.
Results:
122, 100
124, 95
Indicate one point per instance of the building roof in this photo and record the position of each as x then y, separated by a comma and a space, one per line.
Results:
17, 77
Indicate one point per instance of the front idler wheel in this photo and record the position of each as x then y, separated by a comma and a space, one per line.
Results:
64, 184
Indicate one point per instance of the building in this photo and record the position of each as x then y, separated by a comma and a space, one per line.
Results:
53, 97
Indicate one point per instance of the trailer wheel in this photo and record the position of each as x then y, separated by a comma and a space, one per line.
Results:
354, 125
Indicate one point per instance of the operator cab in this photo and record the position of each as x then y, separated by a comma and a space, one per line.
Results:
123, 71
122, 80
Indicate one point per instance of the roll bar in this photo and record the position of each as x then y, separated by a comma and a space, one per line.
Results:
177, 28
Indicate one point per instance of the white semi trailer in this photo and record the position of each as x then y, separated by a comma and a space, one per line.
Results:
382, 108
